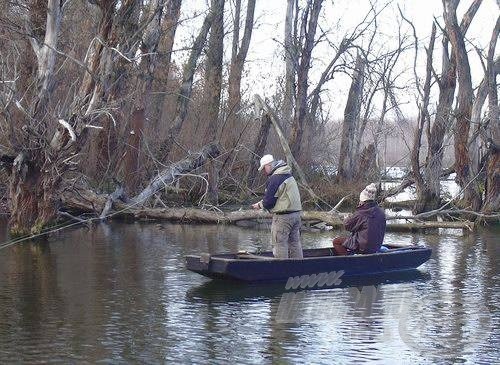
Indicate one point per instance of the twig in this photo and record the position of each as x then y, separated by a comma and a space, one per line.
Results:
77, 219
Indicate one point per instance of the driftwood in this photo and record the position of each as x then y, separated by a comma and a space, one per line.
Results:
172, 172
72, 217
117, 194
416, 226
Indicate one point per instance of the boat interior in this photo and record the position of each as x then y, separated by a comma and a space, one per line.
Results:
312, 252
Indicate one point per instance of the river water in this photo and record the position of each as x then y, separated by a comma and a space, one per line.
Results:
120, 293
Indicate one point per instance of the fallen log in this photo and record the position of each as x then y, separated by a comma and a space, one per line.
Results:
112, 198
403, 204
421, 225
88, 201
168, 175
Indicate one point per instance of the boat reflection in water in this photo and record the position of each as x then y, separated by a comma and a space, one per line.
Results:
221, 290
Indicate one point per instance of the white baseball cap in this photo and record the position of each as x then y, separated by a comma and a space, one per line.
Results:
266, 159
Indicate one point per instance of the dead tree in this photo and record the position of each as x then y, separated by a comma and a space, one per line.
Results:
168, 30
443, 119
144, 82
115, 67
259, 145
346, 166
212, 90
291, 59
95, 52
185, 90
465, 179
337, 63
423, 120
174, 171
32, 182
238, 57
308, 30
492, 196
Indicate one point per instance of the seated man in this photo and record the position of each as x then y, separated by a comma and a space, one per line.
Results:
367, 226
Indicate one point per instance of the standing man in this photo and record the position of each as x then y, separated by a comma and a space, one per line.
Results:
282, 199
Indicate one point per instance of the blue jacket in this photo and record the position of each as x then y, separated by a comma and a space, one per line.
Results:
282, 192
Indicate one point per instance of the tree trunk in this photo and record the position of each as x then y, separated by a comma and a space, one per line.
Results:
465, 179
131, 176
212, 91
95, 52
346, 168
236, 70
87, 201
144, 82
169, 27
309, 29
186, 89
124, 37
32, 188
492, 199
423, 198
260, 145
367, 170
443, 120
291, 60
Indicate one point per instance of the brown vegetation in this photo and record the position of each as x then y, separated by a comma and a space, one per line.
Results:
97, 103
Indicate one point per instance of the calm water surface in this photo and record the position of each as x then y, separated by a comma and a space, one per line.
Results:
119, 293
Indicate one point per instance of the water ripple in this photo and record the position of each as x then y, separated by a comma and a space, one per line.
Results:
120, 294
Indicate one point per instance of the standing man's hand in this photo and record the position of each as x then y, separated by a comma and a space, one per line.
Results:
257, 205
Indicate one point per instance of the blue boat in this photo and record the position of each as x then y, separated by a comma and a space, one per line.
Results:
263, 267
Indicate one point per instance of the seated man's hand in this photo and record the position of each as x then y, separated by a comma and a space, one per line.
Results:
257, 205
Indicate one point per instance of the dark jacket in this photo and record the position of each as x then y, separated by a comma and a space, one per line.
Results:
367, 227
282, 193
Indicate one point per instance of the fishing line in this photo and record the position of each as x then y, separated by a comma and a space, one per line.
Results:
84, 221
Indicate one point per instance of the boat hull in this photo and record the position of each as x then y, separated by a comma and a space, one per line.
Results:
259, 268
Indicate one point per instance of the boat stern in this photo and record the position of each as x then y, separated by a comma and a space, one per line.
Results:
204, 264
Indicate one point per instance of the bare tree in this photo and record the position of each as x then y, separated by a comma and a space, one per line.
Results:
144, 82
466, 180
308, 32
32, 186
443, 119
492, 198
346, 166
423, 120
238, 57
291, 59
213, 87
168, 30
115, 71
186, 89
